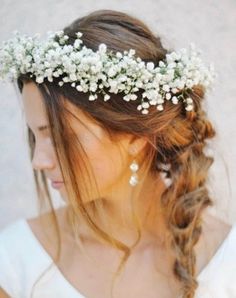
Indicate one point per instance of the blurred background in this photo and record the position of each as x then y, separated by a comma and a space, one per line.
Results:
209, 24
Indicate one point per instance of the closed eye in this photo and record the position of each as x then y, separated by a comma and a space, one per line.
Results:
43, 127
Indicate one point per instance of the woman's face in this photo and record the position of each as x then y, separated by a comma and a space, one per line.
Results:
103, 154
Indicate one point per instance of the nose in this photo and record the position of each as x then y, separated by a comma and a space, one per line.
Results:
42, 159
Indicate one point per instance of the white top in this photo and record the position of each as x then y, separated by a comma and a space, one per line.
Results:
23, 259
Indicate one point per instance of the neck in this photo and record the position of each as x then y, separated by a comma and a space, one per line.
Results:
119, 221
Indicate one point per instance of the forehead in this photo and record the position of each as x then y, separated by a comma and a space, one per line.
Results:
36, 116
33, 105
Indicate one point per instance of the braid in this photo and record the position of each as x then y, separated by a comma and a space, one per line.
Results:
187, 196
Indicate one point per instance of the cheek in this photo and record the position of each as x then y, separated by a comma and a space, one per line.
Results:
105, 161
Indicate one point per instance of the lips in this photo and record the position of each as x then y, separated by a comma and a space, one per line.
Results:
56, 181
57, 184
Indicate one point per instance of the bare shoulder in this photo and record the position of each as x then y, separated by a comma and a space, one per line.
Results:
46, 219
215, 228
44, 229
214, 233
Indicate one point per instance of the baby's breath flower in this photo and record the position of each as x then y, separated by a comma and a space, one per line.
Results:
189, 108
150, 65
92, 97
160, 107
166, 87
144, 111
145, 105
79, 34
168, 96
189, 100
174, 99
102, 48
107, 97
88, 70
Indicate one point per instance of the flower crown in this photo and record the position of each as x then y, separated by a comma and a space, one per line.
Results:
90, 71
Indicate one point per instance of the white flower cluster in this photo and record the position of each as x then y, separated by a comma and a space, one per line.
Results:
90, 71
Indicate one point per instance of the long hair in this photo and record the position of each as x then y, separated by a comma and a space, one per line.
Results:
175, 136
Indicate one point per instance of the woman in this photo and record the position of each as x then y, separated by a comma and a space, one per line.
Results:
133, 179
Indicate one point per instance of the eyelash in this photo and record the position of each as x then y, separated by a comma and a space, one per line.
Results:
31, 134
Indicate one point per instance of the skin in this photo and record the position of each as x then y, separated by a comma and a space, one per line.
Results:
112, 175
112, 178
94, 279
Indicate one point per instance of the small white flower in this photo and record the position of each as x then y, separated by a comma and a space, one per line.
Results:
112, 71
118, 54
160, 107
139, 107
168, 96
92, 97
102, 48
144, 111
174, 99
160, 100
127, 97
139, 84
133, 96
77, 43
171, 65
153, 102
39, 80
79, 34
93, 87
73, 77
107, 97
189, 83
162, 64
166, 88
189, 100
174, 90
189, 108
145, 105
132, 52
79, 88
66, 79
59, 33
150, 65
181, 84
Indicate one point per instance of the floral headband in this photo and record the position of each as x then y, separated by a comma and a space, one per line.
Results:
90, 71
